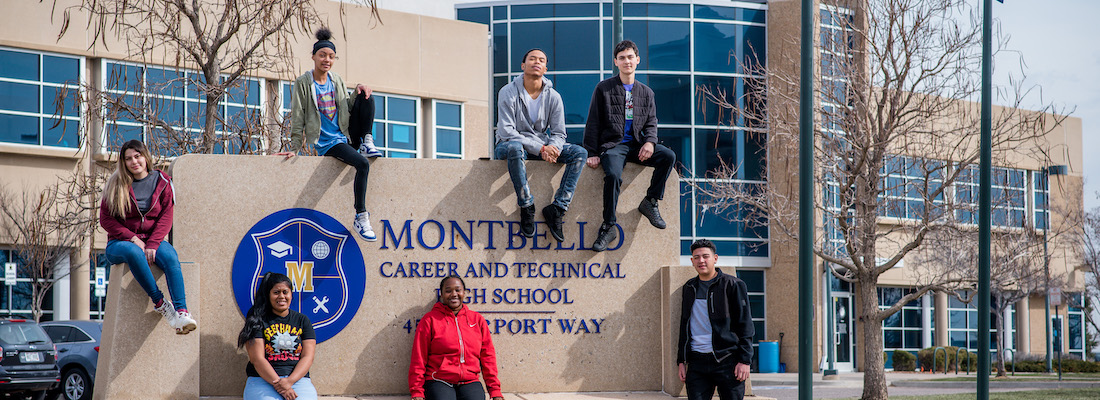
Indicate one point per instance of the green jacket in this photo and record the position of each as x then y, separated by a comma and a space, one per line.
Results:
304, 116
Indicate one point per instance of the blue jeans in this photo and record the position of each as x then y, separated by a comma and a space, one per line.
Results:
572, 156
122, 251
256, 388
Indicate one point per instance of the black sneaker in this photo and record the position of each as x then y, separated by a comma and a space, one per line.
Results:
648, 208
607, 234
553, 216
527, 221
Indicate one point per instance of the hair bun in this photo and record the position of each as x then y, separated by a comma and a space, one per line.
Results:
324, 34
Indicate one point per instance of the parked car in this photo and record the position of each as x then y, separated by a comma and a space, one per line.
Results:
77, 345
28, 359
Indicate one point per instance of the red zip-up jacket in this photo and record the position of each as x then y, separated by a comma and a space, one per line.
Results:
454, 349
152, 226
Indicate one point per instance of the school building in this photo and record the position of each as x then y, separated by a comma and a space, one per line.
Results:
435, 71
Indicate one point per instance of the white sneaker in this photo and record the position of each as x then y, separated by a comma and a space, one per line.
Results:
367, 149
184, 323
168, 312
362, 225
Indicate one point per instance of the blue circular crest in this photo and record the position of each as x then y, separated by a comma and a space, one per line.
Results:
319, 255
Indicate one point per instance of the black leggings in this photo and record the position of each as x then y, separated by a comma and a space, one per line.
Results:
348, 154
361, 123
439, 390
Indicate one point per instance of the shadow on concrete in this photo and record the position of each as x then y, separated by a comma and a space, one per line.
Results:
389, 364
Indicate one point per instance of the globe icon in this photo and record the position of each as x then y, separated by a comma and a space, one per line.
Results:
320, 250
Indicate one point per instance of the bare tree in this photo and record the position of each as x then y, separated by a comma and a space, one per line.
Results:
1086, 245
896, 143
213, 46
45, 226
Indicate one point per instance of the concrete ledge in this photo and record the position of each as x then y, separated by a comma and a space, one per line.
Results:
530, 396
141, 356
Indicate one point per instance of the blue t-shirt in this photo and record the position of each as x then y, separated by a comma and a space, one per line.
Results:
326, 107
627, 137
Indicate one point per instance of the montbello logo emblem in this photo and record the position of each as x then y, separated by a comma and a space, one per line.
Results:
319, 255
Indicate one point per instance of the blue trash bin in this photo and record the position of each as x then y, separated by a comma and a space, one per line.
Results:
769, 356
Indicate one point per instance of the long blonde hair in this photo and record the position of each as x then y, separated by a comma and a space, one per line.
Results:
117, 190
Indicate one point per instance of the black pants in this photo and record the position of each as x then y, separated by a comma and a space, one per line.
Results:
614, 159
437, 390
704, 373
361, 122
348, 154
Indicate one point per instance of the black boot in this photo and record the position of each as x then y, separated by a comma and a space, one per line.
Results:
527, 221
607, 234
553, 215
648, 208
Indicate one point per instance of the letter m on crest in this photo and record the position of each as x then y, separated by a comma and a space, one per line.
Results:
301, 275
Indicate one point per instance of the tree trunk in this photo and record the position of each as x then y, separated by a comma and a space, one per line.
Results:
998, 319
874, 374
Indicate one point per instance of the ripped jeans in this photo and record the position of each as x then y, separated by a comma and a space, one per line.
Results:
572, 156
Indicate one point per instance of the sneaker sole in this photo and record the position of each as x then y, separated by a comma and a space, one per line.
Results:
373, 239
186, 329
546, 216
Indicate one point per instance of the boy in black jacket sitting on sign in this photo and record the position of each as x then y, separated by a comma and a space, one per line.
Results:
716, 330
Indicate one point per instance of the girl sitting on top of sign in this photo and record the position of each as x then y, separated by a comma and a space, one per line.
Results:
451, 347
280, 343
136, 212
322, 115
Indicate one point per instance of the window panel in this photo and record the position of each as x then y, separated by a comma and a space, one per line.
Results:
500, 12
576, 93
687, 205
679, 141
18, 129
669, 10
402, 137
60, 69
529, 35
532, 11
577, 10
18, 65
447, 114
574, 48
724, 47
19, 97
66, 133
673, 98
400, 109
448, 141
69, 98
479, 15
500, 48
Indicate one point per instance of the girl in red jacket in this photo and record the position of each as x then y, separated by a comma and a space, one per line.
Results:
136, 212
452, 346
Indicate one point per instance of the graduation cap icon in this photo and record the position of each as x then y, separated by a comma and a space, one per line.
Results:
280, 249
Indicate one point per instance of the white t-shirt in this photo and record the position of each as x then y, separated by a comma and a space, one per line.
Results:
533, 106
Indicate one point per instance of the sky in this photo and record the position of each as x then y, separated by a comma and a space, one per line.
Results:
1058, 40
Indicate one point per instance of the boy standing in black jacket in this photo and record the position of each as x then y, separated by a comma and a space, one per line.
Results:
621, 127
716, 330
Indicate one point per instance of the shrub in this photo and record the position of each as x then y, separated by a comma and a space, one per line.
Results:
926, 362
904, 361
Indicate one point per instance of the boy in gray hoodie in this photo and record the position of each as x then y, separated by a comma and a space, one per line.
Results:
531, 126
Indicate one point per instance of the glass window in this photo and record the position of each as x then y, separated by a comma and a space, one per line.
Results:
725, 47
479, 15
500, 48
574, 48
903, 189
743, 151
38, 111
576, 94
577, 10
668, 47
902, 330
669, 10
448, 129
679, 141
500, 12
532, 11
754, 281
528, 35
1009, 196
15, 300
396, 125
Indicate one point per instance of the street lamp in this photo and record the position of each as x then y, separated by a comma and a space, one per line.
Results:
1047, 172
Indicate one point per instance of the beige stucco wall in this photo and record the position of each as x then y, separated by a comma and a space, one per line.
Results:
371, 354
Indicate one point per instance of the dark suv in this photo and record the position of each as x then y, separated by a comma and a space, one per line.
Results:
28, 359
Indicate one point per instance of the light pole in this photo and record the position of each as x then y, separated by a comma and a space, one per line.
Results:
1047, 172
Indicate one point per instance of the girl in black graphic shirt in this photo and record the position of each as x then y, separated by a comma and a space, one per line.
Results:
280, 343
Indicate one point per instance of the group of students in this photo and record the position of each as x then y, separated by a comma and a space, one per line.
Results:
621, 127
453, 345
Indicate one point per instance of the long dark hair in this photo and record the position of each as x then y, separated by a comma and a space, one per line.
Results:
261, 306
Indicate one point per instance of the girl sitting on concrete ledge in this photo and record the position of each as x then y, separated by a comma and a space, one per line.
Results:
136, 212
451, 347
280, 343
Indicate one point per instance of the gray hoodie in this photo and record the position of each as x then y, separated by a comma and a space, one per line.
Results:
514, 121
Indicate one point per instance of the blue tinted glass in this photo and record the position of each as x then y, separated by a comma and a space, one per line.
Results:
609, 44
253, 92
196, 113
754, 51
532, 11
403, 110
754, 156
379, 128
237, 92
500, 12
19, 97
119, 134
479, 15
679, 141
60, 69
171, 112
574, 135
500, 48
402, 137
669, 46
634, 9
18, 65
194, 90
756, 305
529, 35
715, 12
576, 93
165, 82
448, 141
124, 77
447, 114
498, 83
715, 148
708, 112
714, 45
685, 247
54, 97
754, 280
286, 97
686, 209
637, 31
751, 15
673, 98
18, 129
64, 134
237, 117
826, 17
576, 10
574, 48
669, 10
398, 154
